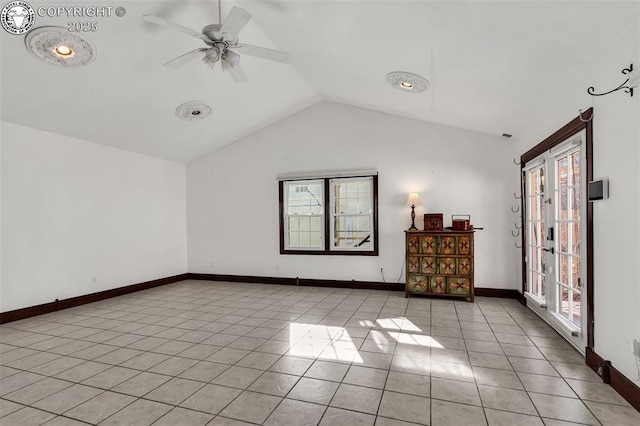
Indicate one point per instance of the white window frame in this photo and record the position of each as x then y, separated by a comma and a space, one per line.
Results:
287, 231
333, 214
328, 220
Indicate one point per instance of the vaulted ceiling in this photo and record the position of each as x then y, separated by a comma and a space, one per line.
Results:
489, 63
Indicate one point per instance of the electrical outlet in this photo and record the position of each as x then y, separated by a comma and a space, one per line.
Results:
636, 348
211, 265
94, 280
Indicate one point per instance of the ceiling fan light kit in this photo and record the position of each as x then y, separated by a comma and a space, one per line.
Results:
408, 82
57, 46
194, 110
222, 41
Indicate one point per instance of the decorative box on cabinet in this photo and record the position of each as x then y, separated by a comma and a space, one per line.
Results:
439, 263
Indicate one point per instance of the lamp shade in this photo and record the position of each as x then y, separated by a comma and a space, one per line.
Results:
413, 199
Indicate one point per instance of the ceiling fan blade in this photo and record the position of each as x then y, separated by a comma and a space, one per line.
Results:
167, 24
187, 57
235, 21
226, 66
263, 52
238, 75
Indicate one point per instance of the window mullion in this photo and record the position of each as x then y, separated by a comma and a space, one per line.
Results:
328, 231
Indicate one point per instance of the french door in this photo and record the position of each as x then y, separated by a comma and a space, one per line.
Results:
555, 237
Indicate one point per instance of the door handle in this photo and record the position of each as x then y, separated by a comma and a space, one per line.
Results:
549, 250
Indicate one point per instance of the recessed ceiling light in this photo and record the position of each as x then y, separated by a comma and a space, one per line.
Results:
57, 46
408, 82
193, 110
64, 51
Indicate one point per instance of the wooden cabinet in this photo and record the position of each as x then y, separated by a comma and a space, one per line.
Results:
439, 263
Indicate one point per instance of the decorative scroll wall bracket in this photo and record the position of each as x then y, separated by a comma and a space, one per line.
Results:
626, 86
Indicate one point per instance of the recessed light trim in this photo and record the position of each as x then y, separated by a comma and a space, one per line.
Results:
408, 82
194, 110
57, 46
64, 51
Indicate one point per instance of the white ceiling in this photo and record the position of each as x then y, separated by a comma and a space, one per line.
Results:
489, 64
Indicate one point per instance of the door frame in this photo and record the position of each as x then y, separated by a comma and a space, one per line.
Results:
574, 126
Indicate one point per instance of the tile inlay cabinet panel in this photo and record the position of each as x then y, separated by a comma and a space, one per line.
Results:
439, 263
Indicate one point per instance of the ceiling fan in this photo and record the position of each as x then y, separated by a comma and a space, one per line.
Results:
222, 43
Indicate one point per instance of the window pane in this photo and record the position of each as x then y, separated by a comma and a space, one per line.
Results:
563, 237
304, 197
575, 226
576, 273
563, 177
563, 194
563, 271
294, 240
352, 213
534, 284
576, 309
564, 302
315, 223
576, 168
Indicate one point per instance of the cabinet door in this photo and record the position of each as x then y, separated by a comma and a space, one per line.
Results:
418, 284
447, 245
464, 244
464, 266
429, 244
447, 265
413, 264
412, 244
428, 265
438, 285
459, 285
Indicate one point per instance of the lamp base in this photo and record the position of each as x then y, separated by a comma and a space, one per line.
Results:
413, 218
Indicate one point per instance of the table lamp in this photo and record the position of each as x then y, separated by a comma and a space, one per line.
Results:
413, 200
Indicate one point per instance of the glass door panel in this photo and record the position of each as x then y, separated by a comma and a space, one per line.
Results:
554, 229
568, 221
535, 230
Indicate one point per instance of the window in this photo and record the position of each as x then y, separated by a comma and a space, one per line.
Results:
331, 215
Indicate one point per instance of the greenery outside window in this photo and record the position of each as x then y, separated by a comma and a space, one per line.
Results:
331, 215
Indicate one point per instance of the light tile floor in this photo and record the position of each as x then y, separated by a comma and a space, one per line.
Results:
196, 353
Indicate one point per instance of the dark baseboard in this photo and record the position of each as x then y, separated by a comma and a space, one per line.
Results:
498, 292
625, 387
371, 285
56, 305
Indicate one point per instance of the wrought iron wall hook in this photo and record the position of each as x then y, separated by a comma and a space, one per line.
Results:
516, 210
516, 244
517, 197
515, 162
518, 227
582, 119
516, 234
628, 89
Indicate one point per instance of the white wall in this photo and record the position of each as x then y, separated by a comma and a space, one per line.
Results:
616, 128
73, 210
232, 194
